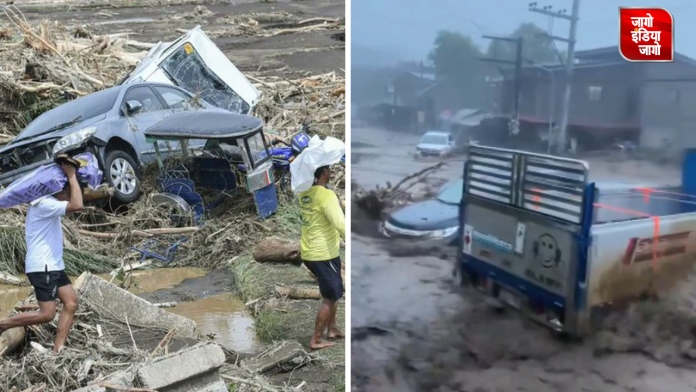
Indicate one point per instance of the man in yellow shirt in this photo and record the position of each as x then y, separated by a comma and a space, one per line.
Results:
323, 226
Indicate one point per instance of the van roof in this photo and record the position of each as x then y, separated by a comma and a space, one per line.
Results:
443, 133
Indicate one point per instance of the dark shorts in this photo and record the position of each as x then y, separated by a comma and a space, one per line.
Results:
329, 275
46, 284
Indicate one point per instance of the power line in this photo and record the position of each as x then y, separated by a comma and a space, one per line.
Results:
570, 59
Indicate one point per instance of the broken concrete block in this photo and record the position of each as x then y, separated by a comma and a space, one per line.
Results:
123, 305
275, 357
192, 369
91, 388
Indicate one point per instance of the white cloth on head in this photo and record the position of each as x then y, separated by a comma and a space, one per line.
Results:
44, 235
317, 154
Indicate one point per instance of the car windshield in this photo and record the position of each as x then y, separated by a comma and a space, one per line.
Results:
187, 69
434, 139
81, 109
452, 194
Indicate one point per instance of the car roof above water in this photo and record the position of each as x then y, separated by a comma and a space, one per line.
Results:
438, 133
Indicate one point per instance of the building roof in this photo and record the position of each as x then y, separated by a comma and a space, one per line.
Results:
600, 57
612, 52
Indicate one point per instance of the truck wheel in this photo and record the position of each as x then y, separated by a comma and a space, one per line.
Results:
121, 174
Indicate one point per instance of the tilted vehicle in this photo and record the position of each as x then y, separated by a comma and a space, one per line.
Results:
194, 63
541, 237
435, 144
190, 73
436, 219
227, 140
109, 124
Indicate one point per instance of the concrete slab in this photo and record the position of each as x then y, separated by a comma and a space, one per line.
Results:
90, 388
194, 368
120, 304
275, 357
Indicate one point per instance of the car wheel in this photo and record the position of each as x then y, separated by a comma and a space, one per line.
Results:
121, 174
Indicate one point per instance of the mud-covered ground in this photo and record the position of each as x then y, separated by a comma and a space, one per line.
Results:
415, 329
288, 55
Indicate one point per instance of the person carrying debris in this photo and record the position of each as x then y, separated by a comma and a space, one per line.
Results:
44, 259
323, 226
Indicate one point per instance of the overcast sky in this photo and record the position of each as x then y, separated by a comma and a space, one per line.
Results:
407, 28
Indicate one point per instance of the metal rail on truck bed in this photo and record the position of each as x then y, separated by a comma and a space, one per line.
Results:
543, 238
526, 220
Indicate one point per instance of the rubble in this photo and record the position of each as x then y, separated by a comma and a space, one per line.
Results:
275, 356
120, 304
108, 350
192, 369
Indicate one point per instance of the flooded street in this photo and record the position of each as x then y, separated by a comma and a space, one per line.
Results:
415, 329
200, 296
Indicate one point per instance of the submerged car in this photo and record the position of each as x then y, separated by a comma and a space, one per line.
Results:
436, 219
435, 144
109, 123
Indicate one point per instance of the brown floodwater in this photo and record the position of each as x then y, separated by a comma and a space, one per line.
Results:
225, 316
222, 315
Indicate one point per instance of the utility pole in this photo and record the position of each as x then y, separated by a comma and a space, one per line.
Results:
518, 74
570, 59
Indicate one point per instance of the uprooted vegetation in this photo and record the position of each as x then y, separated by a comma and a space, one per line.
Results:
42, 66
46, 65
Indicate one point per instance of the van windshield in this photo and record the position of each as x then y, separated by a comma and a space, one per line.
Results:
434, 139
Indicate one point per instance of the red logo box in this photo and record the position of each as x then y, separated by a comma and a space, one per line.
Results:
646, 35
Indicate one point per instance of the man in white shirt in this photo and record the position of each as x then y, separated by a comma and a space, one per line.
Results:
44, 260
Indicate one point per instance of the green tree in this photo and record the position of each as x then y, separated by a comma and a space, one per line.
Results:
535, 47
461, 75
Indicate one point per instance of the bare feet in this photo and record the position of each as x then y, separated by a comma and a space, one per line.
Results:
335, 334
314, 345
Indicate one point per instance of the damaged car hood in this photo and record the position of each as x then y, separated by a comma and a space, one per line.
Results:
194, 63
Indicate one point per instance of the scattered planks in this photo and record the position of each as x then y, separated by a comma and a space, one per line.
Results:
140, 233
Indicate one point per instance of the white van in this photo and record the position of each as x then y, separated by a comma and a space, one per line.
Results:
436, 144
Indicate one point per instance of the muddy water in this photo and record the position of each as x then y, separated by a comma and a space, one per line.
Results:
147, 281
414, 329
214, 311
225, 317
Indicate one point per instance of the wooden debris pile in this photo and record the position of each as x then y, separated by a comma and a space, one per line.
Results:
317, 100
274, 24
43, 66
376, 202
